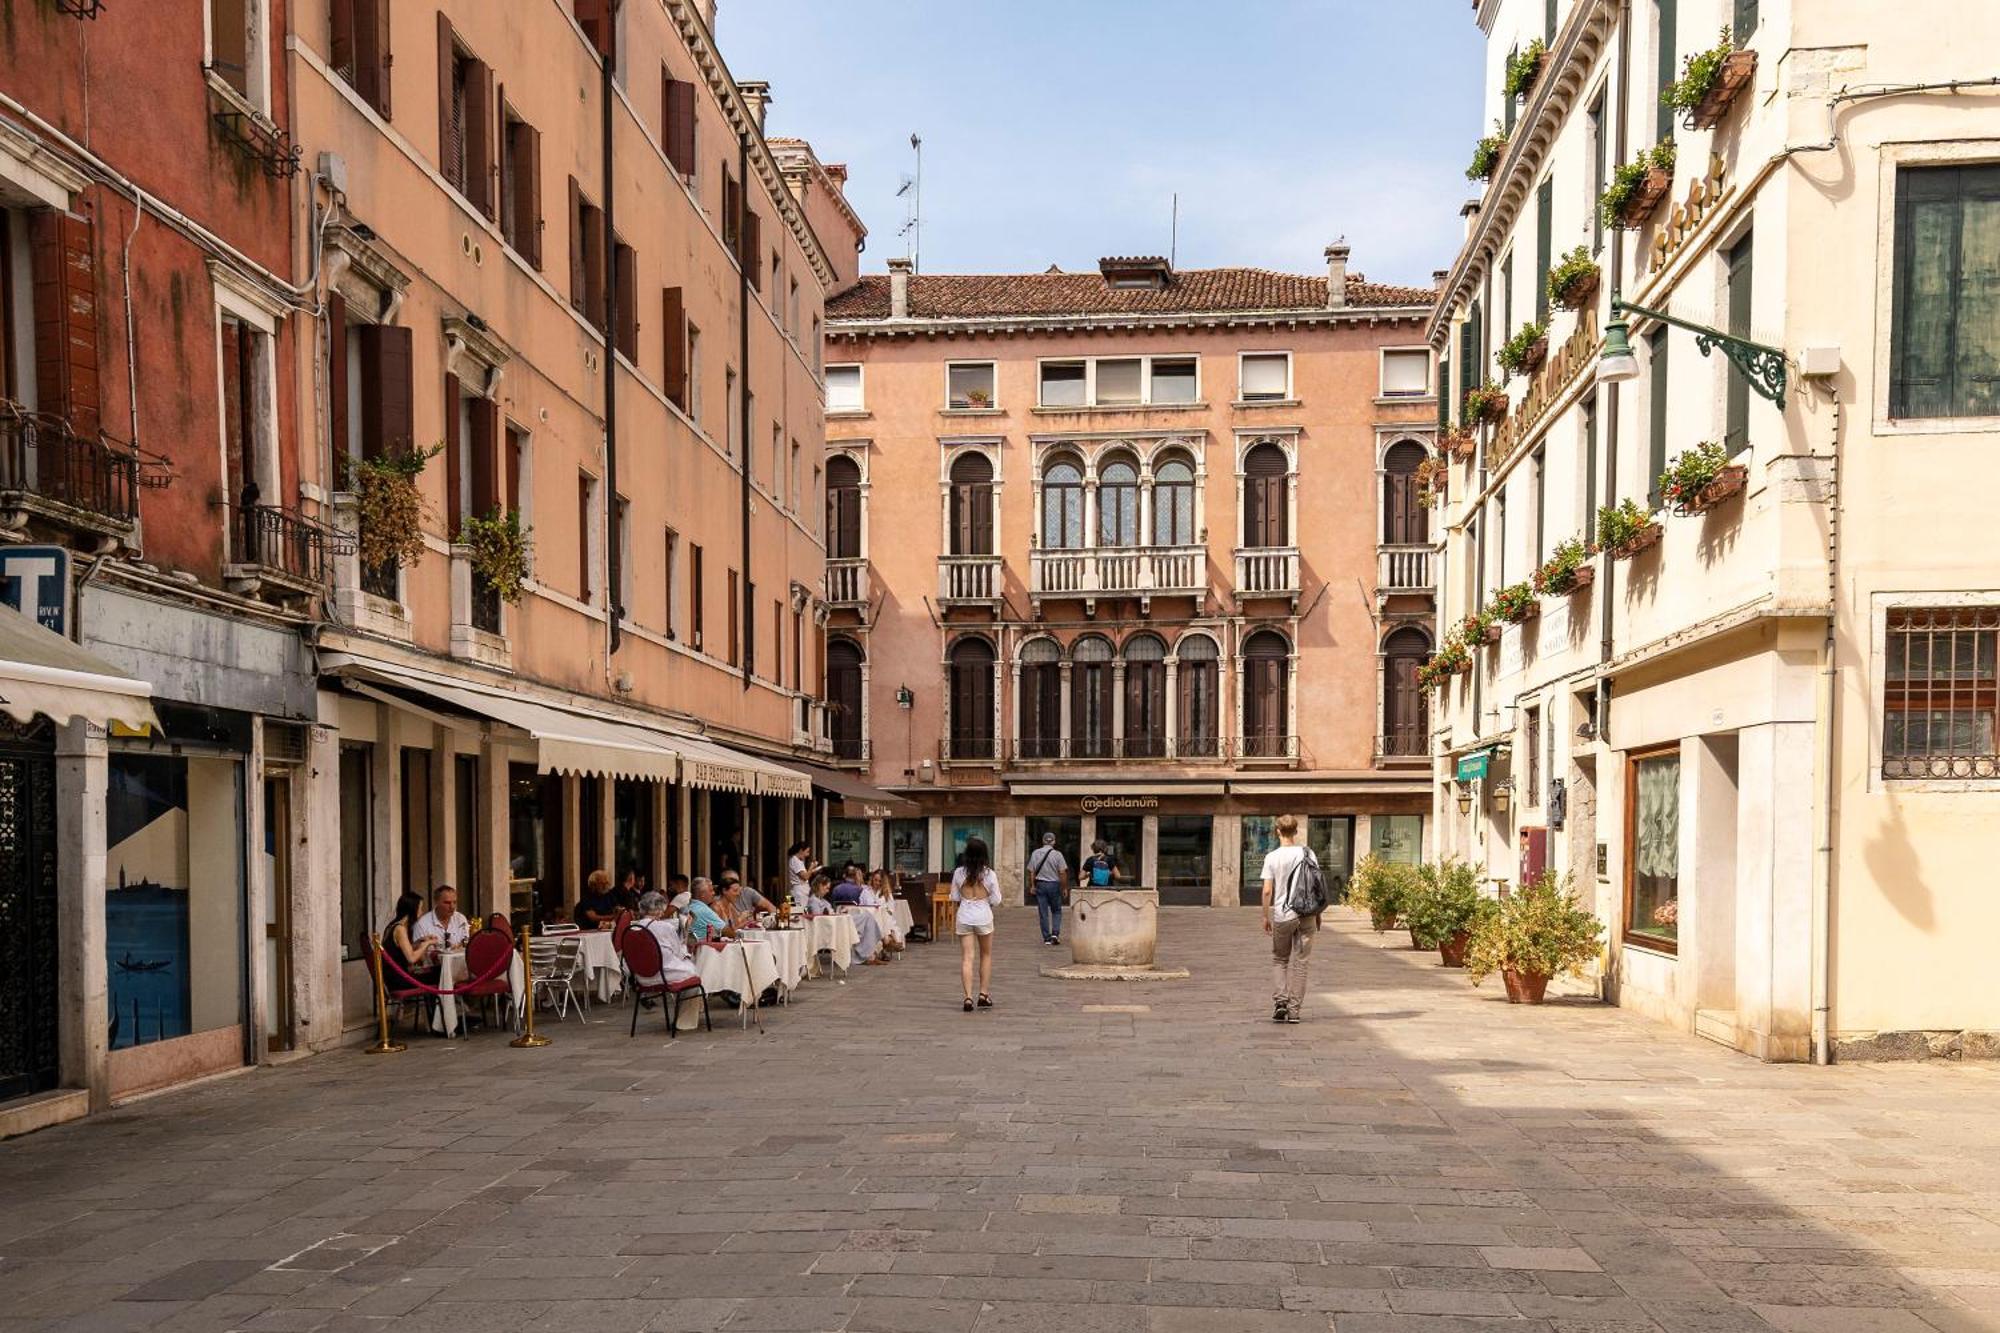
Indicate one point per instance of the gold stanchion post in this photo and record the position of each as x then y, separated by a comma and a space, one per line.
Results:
527, 1037
382, 1046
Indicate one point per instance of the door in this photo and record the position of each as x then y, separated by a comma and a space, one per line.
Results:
1265, 520
1405, 704
30, 1054
1405, 521
278, 913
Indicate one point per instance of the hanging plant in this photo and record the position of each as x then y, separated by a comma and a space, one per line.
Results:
1458, 444
1710, 81
1485, 402
1486, 155
1523, 352
1523, 68
1567, 570
1625, 529
1573, 282
499, 548
1638, 186
390, 507
1515, 603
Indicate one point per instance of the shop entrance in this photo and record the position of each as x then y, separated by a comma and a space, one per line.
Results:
1069, 841
278, 913
1122, 836
29, 1051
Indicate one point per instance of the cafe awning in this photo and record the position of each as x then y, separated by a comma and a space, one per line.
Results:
851, 798
714, 766
43, 673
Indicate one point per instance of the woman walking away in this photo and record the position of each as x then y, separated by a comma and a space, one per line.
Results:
976, 890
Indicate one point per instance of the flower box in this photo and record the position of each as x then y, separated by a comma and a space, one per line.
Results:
1528, 611
1490, 636
1739, 69
1728, 484
1646, 198
1645, 539
1538, 352
1488, 407
1580, 294
1581, 579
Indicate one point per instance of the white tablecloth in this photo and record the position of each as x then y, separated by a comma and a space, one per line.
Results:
745, 967
453, 973
832, 932
904, 918
788, 949
600, 964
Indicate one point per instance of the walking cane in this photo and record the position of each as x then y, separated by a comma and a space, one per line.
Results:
382, 1046
527, 1037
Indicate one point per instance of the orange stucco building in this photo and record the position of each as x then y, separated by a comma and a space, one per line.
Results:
1131, 554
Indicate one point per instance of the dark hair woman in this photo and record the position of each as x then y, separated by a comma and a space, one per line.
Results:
416, 957
976, 890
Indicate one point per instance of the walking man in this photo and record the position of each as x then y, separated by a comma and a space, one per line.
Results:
1048, 871
1294, 896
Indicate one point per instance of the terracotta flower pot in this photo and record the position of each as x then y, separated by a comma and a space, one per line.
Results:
1415, 943
1738, 69
1585, 576
1646, 198
1645, 539
1524, 987
1490, 635
1452, 951
1538, 352
1580, 293
1728, 484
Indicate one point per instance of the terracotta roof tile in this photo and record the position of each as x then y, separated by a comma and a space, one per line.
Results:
1054, 294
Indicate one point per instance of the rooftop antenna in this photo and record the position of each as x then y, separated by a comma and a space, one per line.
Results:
913, 220
1174, 233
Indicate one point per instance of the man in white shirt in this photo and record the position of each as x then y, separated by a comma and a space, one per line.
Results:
657, 918
444, 921
1291, 934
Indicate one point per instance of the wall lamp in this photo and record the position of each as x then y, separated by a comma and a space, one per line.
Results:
1465, 798
1762, 367
905, 698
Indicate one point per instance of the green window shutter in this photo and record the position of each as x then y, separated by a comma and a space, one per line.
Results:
1508, 109
1549, 21
1545, 206
1736, 401
1669, 67
1506, 329
1590, 500
1598, 150
1656, 431
1444, 391
1945, 344
1744, 20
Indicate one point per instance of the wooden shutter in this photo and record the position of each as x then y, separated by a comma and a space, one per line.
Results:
575, 245
450, 154
1545, 221
1398, 507
595, 18
485, 447
679, 121
342, 46
626, 264
583, 508
371, 52
1656, 436
1745, 20
695, 586
511, 456
454, 465
752, 247
673, 329
336, 373
388, 400
480, 108
1736, 396
528, 194
66, 365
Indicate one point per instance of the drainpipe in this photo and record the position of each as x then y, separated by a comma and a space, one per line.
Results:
1823, 720
1610, 414
748, 612
613, 564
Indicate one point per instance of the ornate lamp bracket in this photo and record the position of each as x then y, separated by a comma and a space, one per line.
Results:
1763, 368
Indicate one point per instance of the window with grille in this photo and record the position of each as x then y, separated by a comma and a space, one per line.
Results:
1938, 696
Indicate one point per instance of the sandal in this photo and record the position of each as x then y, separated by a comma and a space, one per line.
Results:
985, 1000
968, 1004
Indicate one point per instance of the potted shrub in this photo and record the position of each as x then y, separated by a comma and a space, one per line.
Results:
1534, 934
1433, 475
1573, 282
499, 548
389, 506
1515, 603
1625, 529
1523, 68
1479, 629
1567, 570
1637, 187
1444, 907
978, 399
1524, 352
1458, 444
1485, 402
1710, 83
1486, 155
1701, 478
1382, 889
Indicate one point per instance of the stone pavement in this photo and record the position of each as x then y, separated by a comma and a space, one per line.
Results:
1087, 1158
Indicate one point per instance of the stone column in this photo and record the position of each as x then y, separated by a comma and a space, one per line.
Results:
256, 901
656, 810
1149, 852
607, 827
878, 844
1010, 851
1225, 859
1173, 706
934, 836
1063, 721
683, 800
494, 823
1118, 707
1773, 899
1087, 836
576, 839
444, 814
317, 942
83, 986
386, 847
1364, 833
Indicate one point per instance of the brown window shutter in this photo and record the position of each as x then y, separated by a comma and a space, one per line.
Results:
485, 419
336, 374
529, 193
680, 125
371, 51
512, 457
575, 245
479, 113
673, 329
628, 301
593, 266
695, 585
388, 404
343, 42
65, 265
594, 17
752, 247
454, 466
448, 128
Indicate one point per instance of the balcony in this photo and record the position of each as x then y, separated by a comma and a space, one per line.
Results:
368, 597
1403, 745
1403, 569
847, 584
478, 626
1265, 749
280, 553
74, 481
811, 723
1144, 572
1267, 571
969, 580
1113, 749
968, 749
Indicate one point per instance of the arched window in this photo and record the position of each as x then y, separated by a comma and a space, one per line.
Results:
1145, 698
971, 699
1266, 516
1118, 504
1041, 700
1406, 712
843, 698
1200, 687
1267, 670
1173, 504
1090, 698
1062, 506
972, 505
1405, 520
843, 509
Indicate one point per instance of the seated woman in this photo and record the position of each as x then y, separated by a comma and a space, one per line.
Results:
418, 958
739, 903
658, 919
817, 901
880, 892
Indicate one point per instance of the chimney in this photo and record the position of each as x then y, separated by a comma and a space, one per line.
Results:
757, 96
899, 289
1438, 276
1336, 275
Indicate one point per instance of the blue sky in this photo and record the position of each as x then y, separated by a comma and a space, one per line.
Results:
1057, 131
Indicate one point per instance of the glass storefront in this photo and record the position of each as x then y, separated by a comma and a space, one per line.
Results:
909, 846
1185, 856
1260, 837
846, 840
1331, 838
958, 832
1069, 841
1397, 838
1124, 836
1652, 852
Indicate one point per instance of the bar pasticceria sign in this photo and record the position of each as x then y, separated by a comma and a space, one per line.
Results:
1574, 357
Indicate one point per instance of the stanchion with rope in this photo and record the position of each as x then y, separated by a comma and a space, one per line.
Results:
382, 1046
527, 1037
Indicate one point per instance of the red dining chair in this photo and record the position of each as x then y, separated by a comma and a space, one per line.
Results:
619, 925
398, 993
498, 921
641, 953
488, 951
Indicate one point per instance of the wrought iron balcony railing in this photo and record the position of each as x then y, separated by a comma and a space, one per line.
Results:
53, 469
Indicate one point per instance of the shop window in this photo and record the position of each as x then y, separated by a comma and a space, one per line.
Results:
1397, 838
1260, 839
632, 829
1652, 850
909, 846
960, 831
1331, 838
846, 840
1123, 837
1185, 850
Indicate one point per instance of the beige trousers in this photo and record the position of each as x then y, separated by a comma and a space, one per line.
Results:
1291, 951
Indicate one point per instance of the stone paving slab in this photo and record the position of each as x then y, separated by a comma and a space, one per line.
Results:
1418, 1157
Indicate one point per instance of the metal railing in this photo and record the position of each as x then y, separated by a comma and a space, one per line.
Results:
283, 541
968, 578
847, 581
851, 749
983, 749
1403, 743
1267, 571
1262, 745
1403, 569
1089, 749
1118, 571
41, 456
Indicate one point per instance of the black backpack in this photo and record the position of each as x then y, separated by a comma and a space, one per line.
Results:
1305, 890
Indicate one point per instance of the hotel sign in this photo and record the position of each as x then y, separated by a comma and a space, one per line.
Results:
1472, 767
1575, 357
1704, 197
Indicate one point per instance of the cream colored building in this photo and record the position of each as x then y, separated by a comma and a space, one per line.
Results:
1764, 746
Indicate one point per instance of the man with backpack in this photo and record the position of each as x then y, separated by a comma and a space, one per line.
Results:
1294, 897
1048, 871
1100, 868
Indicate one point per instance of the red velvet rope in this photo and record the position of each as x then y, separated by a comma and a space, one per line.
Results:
506, 962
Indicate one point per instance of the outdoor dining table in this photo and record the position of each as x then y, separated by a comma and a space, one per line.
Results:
600, 963
745, 967
453, 973
788, 950
834, 933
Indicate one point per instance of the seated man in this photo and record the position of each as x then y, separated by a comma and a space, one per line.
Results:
629, 890
848, 892
657, 918
705, 921
599, 905
678, 896
444, 922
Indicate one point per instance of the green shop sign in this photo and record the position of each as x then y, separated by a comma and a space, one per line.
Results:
1472, 767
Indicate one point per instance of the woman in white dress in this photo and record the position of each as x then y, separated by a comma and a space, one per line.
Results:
976, 890
658, 919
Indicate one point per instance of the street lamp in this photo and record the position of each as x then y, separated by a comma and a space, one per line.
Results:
1465, 798
1502, 792
1762, 367
905, 697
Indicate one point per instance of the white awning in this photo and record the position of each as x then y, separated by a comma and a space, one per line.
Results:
717, 767
43, 673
